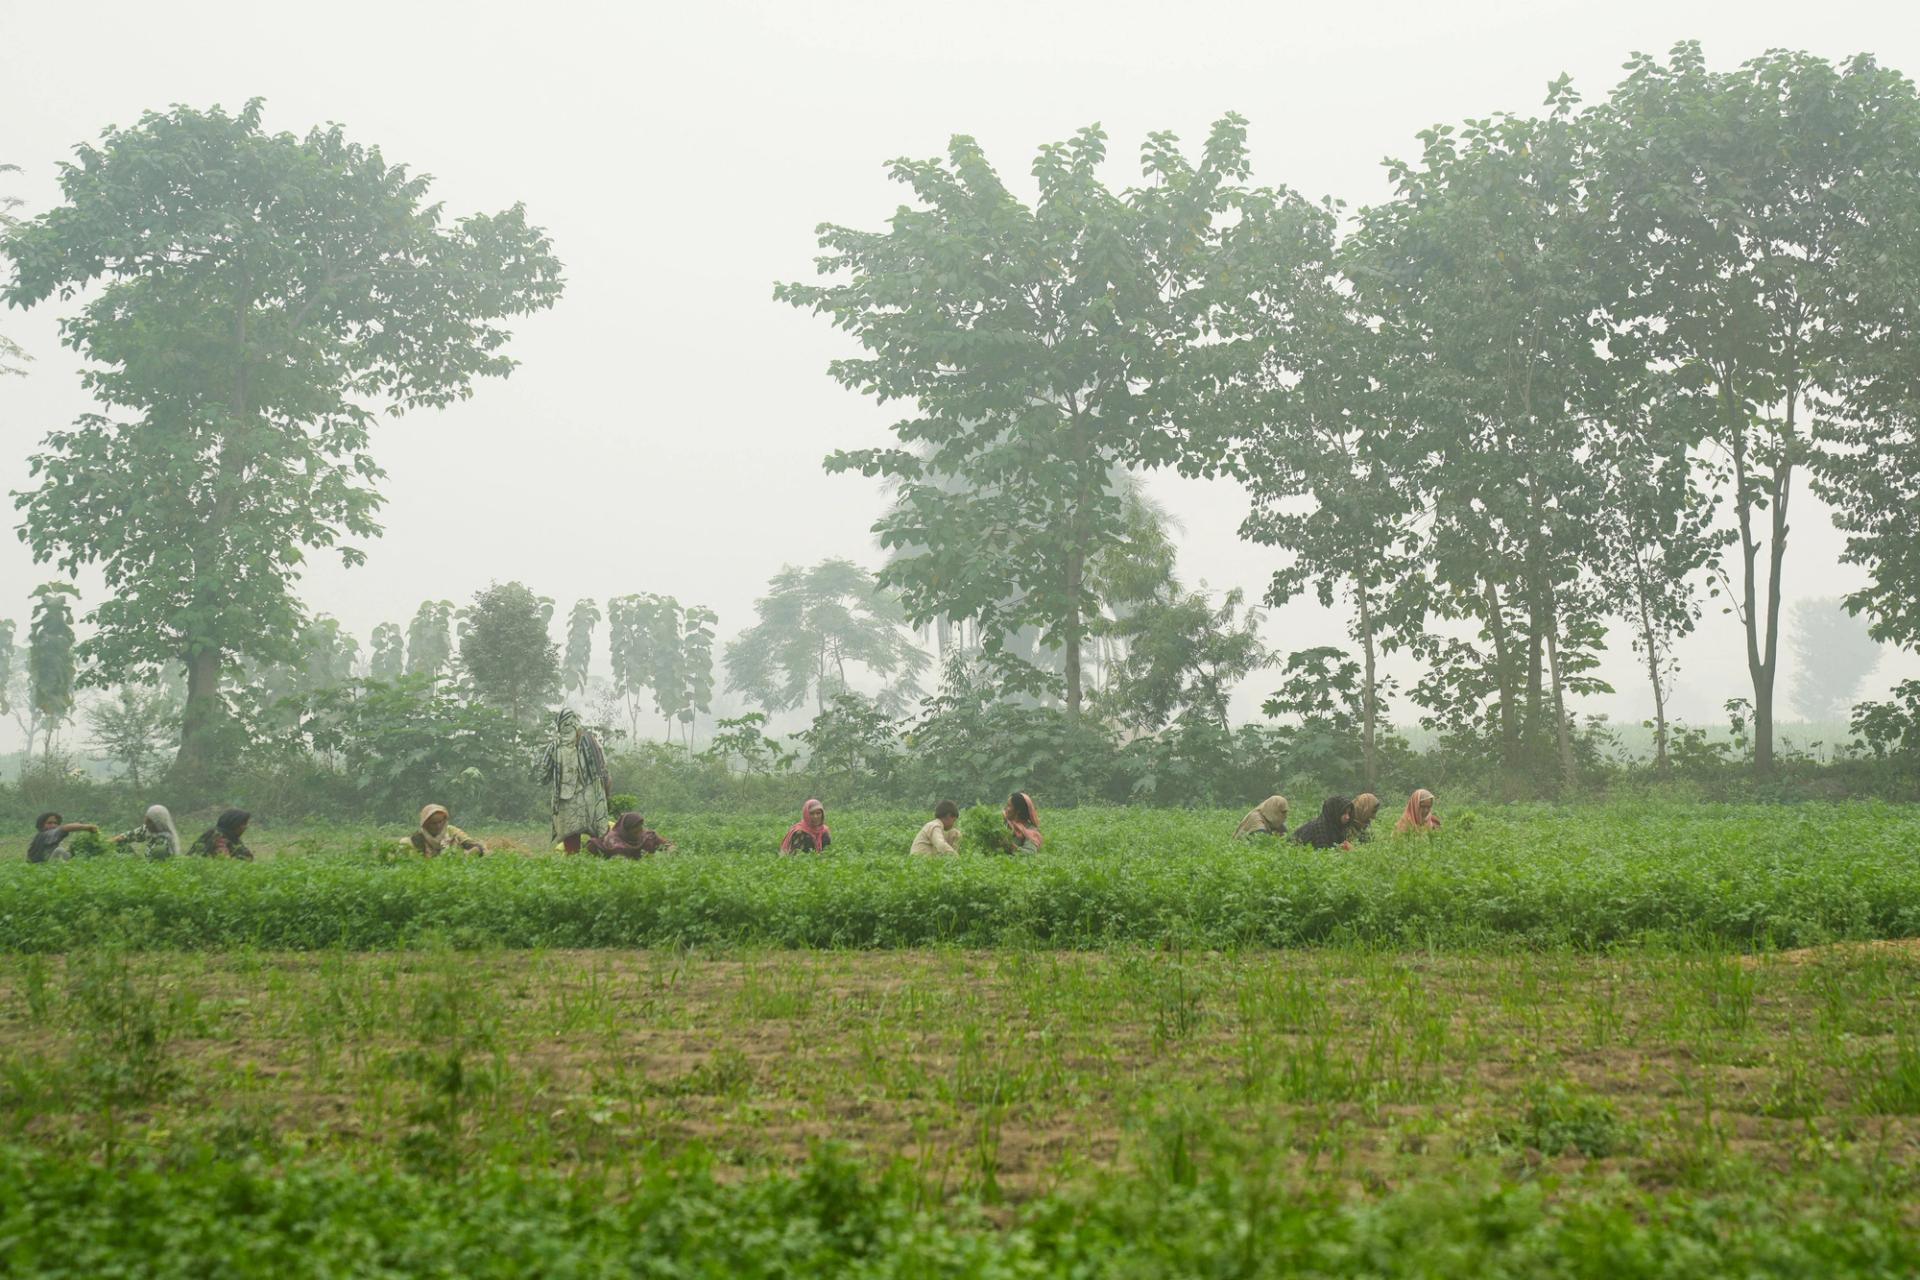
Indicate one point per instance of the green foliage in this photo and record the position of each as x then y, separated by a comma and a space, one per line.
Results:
430, 638
1041, 347
741, 739
1184, 656
810, 626
257, 300
579, 660
507, 653
1834, 655
854, 744
387, 653
661, 649
1891, 728
12, 358
133, 729
406, 743
50, 649
983, 829
1584, 877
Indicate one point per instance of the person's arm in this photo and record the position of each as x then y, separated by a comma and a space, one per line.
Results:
950, 839
68, 828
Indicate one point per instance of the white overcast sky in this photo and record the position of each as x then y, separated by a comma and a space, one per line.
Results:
681, 155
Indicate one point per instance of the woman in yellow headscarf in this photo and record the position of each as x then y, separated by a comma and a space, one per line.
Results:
1269, 819
436, 834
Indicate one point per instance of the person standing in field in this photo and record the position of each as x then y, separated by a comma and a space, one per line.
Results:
1023, 819
810, 834
938, 837
1419, 816
224, 838
578, 787
155, 836
1329, 830
1365, 805
49, 830
436, 834
1268, 819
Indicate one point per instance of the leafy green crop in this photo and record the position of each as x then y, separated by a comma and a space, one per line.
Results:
1751, 876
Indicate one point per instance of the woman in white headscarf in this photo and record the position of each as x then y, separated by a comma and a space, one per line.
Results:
579, 791
155, 837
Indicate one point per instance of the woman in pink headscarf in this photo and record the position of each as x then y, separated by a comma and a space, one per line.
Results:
1024, 821
810, 834
1419, 815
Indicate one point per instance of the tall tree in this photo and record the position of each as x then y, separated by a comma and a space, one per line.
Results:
50, 666
387, 654
1323, 445
508, 654
257, 300
131, 730
1481, 269
1732, 200
1040, 347
1184, 655
813, 624
579, 660
1835, 653
430, 638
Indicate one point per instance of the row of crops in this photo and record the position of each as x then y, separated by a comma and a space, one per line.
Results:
1580, 876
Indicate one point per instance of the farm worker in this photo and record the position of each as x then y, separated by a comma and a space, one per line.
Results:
49, 829
1024, 821
810, 834
1269, 819
1419, 815
937, 837
629, 838
155, 836
575, 768
1365, 805
223, 838
1330, 828
437, 834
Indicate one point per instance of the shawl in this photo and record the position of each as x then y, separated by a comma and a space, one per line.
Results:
1270, 816
429, 843
1029, 830
1365, 805
567, 733
1413, 820
815, 834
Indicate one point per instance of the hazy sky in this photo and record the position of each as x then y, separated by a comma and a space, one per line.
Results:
681, 155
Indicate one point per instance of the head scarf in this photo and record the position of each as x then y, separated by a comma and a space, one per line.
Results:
1411, 819
1365, 805
815, 832
568, 734
1270, 815
428, 811
229, 823
160, 821
1030, 829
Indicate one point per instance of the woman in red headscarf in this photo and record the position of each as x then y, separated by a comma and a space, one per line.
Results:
810, 834
1024, 821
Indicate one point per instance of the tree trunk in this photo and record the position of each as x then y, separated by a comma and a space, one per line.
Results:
1503, 671
1369, 694
1075, 568
1563, 739
200, 717
1661, 763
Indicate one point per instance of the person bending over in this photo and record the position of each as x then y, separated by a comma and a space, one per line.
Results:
1269, 819
224, 838
436, 834
629, 838
1329, 830
1365, 805
1419, 817
938, 837
155, 836
49, 831
1023, 819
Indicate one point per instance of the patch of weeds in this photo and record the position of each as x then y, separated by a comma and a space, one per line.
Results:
1560, 1117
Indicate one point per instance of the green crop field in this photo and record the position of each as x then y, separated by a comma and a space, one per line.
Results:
1584, 1041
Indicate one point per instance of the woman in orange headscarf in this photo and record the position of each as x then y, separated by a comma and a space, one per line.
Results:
810, 834
1418, 816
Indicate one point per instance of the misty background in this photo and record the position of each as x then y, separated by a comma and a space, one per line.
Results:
668, 413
